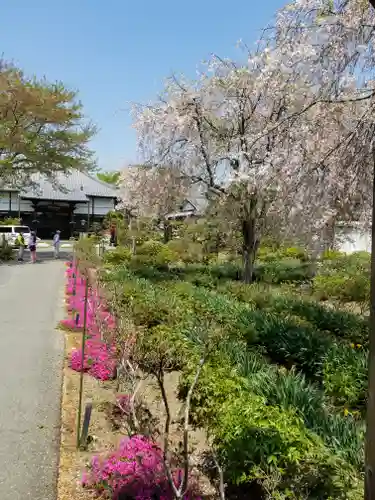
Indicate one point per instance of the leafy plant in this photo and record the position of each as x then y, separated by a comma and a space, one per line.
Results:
345, 375
120, 255
257, 440
6, 251
155, 254
287, 270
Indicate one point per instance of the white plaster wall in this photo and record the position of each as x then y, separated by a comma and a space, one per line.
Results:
353, 240
4, 201
26, 205
82, 208
103, 205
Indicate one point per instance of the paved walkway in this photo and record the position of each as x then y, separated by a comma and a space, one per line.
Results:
31, 354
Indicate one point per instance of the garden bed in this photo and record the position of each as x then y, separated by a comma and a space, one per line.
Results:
105, 432
273, 378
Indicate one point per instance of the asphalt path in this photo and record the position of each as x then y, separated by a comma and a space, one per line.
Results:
31, 353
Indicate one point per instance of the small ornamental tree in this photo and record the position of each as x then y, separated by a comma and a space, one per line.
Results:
42, 128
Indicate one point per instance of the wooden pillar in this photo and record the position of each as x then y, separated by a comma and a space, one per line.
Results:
88, 215
72, 207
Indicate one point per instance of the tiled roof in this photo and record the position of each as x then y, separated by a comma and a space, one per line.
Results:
75, 186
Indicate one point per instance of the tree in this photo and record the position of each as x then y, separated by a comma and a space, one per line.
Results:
153, 192
110, 177
42, 129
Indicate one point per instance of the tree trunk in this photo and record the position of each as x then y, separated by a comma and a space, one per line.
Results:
167, 228
370, 433
250, 246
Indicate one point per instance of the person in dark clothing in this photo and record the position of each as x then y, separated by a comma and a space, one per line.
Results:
113, 236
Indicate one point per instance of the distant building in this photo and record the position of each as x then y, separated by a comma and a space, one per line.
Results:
71, 203
186, 210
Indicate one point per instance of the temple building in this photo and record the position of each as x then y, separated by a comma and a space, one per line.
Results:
71, 203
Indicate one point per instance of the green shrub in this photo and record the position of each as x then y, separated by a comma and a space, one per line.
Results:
225, 271
186, 251
340, 323
345, 376
287, 270
258, 441
6, 251
10, 221
270, 254
350, 263
290, 390
120, 255
154, 253
292, 344
213, 307
332, 255
342, 287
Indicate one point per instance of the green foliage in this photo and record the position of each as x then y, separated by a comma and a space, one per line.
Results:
287, 270
109, 177
343, 287
163, 348
187, 252
271, 254
257, 441
120, 255
292, 344
10, 221
42, 128
342, 324
345, 375
270, 424
339, 323
155, 254
6, 251
213, 307
332, 255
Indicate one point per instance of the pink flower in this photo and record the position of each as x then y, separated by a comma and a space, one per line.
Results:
136, 470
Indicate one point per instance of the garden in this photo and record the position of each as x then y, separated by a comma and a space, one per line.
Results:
203, 386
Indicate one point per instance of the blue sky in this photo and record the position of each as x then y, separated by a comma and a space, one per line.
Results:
120, 51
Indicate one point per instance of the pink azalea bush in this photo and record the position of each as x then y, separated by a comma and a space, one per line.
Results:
99, 357
136, 470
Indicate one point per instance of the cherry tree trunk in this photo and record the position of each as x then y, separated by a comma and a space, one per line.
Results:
167, 230
370, 433
249, 248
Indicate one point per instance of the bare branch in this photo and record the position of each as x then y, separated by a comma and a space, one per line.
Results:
184, 484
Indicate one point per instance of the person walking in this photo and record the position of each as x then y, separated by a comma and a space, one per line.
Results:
56, 244
32, 246
21, 246
113, 236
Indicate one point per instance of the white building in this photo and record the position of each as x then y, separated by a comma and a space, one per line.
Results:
71, 203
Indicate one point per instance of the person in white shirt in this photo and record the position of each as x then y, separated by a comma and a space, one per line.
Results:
56, 244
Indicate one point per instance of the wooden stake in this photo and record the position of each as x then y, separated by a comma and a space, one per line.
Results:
82, 363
